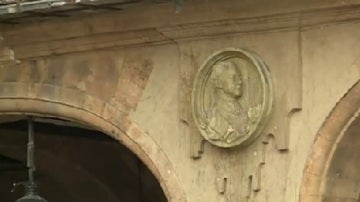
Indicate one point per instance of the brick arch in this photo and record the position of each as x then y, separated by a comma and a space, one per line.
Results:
62, 102
327, 138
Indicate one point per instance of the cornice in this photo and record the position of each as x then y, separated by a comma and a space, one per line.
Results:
301, 20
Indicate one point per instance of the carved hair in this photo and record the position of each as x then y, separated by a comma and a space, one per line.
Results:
219, 69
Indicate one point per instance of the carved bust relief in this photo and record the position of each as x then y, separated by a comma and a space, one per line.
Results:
231, 98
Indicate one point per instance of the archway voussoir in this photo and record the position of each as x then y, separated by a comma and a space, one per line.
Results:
319, 156
311, 183
311, 198
158, 157
113, 115
93, 104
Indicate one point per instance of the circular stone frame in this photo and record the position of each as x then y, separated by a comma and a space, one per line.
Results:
263, 78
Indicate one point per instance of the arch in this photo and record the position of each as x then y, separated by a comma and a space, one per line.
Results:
30, 98
326, 140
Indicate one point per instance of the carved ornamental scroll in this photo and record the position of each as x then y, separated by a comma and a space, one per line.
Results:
231, 98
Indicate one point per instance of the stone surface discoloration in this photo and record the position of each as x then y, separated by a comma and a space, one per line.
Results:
96, 75
132, 81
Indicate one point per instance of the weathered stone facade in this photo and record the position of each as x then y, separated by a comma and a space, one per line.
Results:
130, 74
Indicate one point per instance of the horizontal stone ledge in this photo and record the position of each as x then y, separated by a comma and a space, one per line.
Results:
28, 47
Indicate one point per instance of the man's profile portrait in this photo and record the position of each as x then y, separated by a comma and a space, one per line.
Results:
231, 98
227, 120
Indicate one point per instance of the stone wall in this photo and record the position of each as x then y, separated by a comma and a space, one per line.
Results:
139, 68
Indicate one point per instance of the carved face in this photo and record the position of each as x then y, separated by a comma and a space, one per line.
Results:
229, 80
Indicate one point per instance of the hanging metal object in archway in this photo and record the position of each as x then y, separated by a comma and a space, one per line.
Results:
178, 5
31, 194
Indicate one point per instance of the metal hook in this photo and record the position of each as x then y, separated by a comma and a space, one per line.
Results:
17, 184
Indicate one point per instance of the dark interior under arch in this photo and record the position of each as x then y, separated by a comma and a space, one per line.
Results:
74, 164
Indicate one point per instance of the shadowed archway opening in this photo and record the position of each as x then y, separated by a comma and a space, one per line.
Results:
333, 167
342, 179
75, 163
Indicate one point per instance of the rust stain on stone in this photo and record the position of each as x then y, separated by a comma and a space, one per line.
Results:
94, 73
133, 79
103, 76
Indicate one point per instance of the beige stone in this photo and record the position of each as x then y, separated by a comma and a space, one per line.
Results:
130, 75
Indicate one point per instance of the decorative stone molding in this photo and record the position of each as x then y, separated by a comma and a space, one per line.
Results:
83, 38
287, 85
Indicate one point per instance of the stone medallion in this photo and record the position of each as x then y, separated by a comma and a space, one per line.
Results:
232, 98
